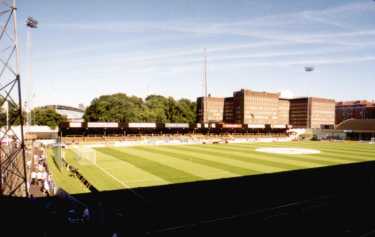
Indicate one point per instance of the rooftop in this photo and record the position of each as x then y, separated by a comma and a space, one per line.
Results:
362, 125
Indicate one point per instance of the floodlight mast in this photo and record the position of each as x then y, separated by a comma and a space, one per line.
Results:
308, 122
13, 174
31, 23
204, 88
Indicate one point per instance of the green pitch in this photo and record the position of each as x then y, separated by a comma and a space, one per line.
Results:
141, 166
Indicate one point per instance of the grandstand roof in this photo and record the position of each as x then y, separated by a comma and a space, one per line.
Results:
64, 107
357, 125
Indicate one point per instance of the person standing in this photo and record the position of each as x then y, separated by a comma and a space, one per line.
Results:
86, 215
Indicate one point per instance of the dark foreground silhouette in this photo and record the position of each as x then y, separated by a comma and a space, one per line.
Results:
329, 201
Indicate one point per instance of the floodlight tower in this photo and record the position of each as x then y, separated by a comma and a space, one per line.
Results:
31, 23
205, 86
308, 122
13, 175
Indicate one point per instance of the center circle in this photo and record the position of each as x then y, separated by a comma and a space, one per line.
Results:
287, 150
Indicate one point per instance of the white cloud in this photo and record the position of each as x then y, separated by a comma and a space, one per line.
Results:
274, 28
286, 94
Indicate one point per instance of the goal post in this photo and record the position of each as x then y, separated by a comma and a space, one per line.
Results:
84, 155
58, 156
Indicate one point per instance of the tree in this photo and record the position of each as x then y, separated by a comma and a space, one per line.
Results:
115, 108
47, 117
13, 113
186, 110
155, 108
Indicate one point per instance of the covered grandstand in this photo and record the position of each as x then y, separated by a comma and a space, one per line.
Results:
72, 114
142, 128
358, 129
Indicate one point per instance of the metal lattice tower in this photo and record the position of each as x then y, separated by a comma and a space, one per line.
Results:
13, 181
204, 85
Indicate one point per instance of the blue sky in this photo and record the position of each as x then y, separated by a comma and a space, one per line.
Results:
83, 49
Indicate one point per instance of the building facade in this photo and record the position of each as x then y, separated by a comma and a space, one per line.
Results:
359, 109
312, 112
210, 109
298, 113
256, 107
264, 108
228, 110
283, 110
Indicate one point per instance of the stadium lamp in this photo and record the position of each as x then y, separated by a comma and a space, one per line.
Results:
31, 22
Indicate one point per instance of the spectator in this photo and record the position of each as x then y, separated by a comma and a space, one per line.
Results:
33, 176
86, 215
46, 185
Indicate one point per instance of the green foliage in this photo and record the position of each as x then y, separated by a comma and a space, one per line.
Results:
13, 113
47, 117
155, 108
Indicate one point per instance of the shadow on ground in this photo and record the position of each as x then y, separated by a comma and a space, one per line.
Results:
329, 201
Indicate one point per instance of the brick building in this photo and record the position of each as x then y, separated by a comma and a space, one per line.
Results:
210, 109
262, 108
228, 116
359, 109
283, 111
256, 107
312, 112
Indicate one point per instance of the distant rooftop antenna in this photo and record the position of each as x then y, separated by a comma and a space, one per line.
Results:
31, 23
205, 72
205, 115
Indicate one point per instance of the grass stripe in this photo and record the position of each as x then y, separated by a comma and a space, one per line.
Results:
197, 159
273, 160
359, 148
308, 158
133, 176
340, 147
324, 157
228, 161
294, 159
203, 171
333, 153
165, 172
353, 155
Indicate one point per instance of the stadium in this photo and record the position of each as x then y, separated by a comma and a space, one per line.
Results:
115, 138
193, 179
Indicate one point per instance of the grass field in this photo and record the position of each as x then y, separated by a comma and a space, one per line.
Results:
63, 179
141, 166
